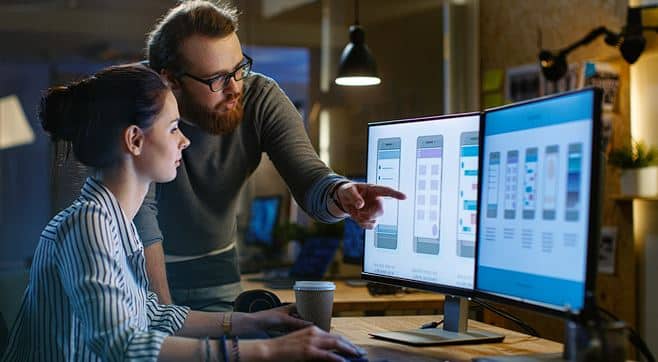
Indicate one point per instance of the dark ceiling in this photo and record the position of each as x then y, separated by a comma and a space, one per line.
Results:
54, 28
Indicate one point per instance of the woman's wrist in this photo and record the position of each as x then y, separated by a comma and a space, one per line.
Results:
243, 323
256, 350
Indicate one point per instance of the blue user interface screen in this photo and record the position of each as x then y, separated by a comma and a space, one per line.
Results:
534, 218
263, 217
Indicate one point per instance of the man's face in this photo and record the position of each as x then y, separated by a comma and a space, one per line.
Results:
205, 57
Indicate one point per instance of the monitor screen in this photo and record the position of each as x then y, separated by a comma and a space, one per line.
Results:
426, 241
263, 218
539, 162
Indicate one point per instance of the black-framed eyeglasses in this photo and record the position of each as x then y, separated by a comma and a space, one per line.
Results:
219, 82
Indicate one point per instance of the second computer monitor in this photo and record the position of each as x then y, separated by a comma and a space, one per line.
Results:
539, 210
428, 240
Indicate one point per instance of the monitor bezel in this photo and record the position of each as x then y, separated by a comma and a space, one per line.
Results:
272, 244
594, 204
432, 287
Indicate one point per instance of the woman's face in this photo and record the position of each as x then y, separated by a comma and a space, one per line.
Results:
163, 144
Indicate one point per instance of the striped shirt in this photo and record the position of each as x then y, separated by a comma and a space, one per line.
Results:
88, 298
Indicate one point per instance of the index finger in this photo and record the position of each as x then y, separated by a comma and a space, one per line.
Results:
379, 190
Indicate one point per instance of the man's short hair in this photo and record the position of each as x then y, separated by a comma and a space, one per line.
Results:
191, 17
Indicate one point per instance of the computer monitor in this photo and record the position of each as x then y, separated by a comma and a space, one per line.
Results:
263, 218
539, 211
427, 241
353, 237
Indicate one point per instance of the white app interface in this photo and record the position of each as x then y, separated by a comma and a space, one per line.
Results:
429, 157
492, 178
417, 238
511, 183
530, 183
551, 171
388, 174
467, 194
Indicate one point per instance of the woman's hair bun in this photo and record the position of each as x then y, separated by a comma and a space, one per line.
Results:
92, 114
57, 115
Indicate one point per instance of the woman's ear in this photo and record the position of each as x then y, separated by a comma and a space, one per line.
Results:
133, 140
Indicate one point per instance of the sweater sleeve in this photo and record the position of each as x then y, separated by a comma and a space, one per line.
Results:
146, 220
285, 140
93, 277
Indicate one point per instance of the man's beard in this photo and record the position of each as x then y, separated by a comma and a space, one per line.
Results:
214, 121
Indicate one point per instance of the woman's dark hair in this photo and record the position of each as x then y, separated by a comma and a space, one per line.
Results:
91, 114
215, 19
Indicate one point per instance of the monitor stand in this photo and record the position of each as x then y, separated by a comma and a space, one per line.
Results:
454, 331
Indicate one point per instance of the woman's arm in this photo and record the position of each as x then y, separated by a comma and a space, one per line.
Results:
200, 324
308, 344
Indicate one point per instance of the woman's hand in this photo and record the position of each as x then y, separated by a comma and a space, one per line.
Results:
282, 318
310, 343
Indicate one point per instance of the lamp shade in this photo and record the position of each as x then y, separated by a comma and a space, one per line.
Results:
15, 129
357, 66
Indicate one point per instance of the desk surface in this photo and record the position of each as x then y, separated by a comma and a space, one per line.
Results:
351, 298
357, 329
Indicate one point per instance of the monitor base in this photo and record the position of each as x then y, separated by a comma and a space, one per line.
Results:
438, 336
356, 282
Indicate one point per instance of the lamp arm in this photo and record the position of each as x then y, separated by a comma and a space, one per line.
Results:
652, 28
595, 33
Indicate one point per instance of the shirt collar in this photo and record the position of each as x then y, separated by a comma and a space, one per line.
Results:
95, 191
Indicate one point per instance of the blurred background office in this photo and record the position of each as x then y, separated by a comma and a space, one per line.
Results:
433, 57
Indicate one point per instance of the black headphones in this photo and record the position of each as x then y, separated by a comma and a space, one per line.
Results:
256, 300
248, 301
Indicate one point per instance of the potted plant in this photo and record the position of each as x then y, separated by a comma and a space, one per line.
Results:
638, 164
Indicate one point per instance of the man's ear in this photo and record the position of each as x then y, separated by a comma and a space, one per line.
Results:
133, 140
173, 82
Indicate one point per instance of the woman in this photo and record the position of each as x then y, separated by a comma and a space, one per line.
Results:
88, 296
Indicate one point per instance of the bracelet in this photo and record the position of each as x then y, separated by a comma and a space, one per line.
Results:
222, 349
227, 323
333, 195
235, 349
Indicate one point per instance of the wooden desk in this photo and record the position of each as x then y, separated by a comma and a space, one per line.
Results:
349, 298
357, 329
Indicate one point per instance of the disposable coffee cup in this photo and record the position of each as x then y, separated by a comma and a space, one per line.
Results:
315, 301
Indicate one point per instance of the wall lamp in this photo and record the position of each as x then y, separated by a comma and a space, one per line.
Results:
630, 42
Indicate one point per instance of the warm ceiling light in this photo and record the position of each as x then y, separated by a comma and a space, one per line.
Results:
357, 66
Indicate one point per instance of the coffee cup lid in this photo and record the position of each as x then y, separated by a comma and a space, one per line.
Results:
314, 285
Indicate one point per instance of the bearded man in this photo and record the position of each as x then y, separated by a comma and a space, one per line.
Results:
231, 115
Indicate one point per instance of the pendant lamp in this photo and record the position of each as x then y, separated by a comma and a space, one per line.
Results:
357, 66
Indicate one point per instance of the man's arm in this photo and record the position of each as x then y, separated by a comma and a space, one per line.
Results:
321, 193
157, 273
284, 138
